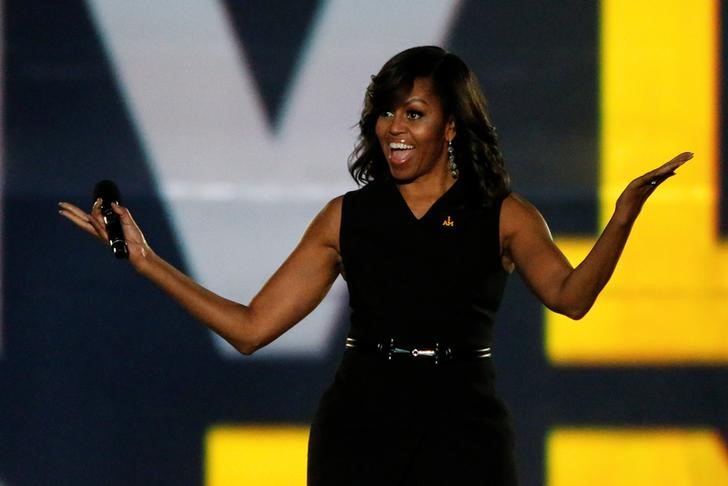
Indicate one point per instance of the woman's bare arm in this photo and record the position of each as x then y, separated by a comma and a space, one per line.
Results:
293, 291
527, 244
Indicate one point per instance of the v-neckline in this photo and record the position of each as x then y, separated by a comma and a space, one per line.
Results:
429, 210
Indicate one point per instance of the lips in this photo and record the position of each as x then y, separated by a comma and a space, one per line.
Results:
399, 152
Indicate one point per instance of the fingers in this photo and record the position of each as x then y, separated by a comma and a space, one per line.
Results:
657, 176
96, 208
81, 219
70, 209
97, 219
127, 221
673, 164
124, 214
99, 227
76, 216
680, 159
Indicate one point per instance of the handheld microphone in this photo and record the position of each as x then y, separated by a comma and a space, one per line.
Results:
109, 193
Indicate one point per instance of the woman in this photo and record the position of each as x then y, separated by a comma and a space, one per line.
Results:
425, 246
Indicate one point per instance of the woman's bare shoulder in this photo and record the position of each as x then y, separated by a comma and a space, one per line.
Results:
332, 210
326, 225
517, 211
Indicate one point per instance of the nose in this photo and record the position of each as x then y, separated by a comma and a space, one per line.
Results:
396, 124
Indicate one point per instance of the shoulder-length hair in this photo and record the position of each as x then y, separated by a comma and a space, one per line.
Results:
476, 146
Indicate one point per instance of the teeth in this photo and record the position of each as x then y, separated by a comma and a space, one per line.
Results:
400, 146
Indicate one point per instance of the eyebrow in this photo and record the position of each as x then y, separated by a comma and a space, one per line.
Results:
412, 100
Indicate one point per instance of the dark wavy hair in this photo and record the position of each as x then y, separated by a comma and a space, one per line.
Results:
476, 146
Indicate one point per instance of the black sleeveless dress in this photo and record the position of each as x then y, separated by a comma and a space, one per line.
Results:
438, 279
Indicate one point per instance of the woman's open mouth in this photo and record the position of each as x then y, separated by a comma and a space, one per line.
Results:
399, 152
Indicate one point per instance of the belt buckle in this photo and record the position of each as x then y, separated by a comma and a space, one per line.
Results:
427, 353
391, 349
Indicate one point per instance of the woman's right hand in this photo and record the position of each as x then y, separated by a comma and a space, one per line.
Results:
293, 291
93, 224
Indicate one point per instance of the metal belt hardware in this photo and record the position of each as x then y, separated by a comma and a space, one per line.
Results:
438, 354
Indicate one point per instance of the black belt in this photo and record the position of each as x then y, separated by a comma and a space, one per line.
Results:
437, 352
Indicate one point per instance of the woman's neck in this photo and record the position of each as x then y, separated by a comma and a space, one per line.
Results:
421, 194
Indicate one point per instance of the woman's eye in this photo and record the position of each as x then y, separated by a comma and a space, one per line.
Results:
410, 114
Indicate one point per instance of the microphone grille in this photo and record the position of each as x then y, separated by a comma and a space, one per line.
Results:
107, 191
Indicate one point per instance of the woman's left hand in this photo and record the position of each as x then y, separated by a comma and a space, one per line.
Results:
630, 202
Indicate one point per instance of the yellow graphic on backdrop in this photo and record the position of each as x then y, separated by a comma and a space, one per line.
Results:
256, 455
643, 457
668, 301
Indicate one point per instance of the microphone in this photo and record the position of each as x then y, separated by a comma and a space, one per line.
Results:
109, 193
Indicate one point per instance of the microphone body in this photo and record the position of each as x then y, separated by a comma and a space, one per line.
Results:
109, 193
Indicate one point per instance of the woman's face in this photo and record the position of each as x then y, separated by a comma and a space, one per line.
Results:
414, 134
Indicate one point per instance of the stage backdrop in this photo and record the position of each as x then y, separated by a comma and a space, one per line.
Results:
227, 125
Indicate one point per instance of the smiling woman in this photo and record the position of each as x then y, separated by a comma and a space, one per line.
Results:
428, 92
425, 246
414, 136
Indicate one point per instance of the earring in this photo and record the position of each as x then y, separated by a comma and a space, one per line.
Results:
451, 165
